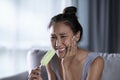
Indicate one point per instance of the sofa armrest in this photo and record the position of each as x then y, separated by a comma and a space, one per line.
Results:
20, 76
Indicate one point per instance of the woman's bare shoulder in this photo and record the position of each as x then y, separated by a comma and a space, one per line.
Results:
98, 60
96, 69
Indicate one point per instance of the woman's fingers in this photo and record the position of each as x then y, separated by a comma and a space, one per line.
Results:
72, 47
36, 71
35, 74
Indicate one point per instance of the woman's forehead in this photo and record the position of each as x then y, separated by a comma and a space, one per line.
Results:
60, 28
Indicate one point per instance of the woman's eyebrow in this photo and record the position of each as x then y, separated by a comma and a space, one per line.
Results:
63, 33
59, 34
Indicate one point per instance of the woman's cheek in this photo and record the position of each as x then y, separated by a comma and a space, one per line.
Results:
53, 43
67, 42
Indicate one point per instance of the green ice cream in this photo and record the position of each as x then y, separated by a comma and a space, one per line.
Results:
47, 57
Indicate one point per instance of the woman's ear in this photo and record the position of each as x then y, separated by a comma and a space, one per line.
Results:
77, 36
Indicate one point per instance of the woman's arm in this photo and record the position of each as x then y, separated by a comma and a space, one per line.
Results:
51, 74
96, 69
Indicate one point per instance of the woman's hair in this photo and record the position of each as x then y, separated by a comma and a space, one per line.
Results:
68, 17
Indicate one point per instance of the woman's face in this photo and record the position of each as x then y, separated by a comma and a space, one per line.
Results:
61, 37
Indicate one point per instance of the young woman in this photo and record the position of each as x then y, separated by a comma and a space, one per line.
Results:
70, 61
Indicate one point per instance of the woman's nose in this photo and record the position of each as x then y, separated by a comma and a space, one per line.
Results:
58, 43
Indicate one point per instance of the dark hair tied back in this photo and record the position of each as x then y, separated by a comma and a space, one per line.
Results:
70, 10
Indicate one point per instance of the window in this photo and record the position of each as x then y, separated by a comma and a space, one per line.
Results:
23, 25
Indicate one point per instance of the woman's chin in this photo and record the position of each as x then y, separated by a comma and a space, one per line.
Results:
61, 55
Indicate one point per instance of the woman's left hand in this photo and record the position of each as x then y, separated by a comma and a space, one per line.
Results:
71, 51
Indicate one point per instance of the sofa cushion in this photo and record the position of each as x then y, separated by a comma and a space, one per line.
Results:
20, 76
112, 66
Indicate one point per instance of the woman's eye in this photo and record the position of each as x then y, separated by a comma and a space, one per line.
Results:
63, 36
53, 37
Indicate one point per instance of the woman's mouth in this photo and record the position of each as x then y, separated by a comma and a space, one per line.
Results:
61, 50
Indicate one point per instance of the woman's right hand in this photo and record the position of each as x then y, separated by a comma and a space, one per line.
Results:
35, 74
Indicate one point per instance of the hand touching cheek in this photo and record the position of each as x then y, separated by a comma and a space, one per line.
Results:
71, 51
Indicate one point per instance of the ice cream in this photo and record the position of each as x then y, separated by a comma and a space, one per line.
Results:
47, 57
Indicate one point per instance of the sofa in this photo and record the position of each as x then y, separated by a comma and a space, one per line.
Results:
19, 76
111, 69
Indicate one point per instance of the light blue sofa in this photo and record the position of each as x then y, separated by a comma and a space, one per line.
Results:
111, 68
20, 76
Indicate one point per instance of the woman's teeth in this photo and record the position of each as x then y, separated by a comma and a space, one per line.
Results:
62, 49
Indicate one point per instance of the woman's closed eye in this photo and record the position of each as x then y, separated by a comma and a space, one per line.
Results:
63, 36
53, 37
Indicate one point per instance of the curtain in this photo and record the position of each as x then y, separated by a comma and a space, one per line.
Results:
104, 25
114, 24
101, 24
98, 25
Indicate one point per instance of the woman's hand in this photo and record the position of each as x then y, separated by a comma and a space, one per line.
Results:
71, 51
35, 74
